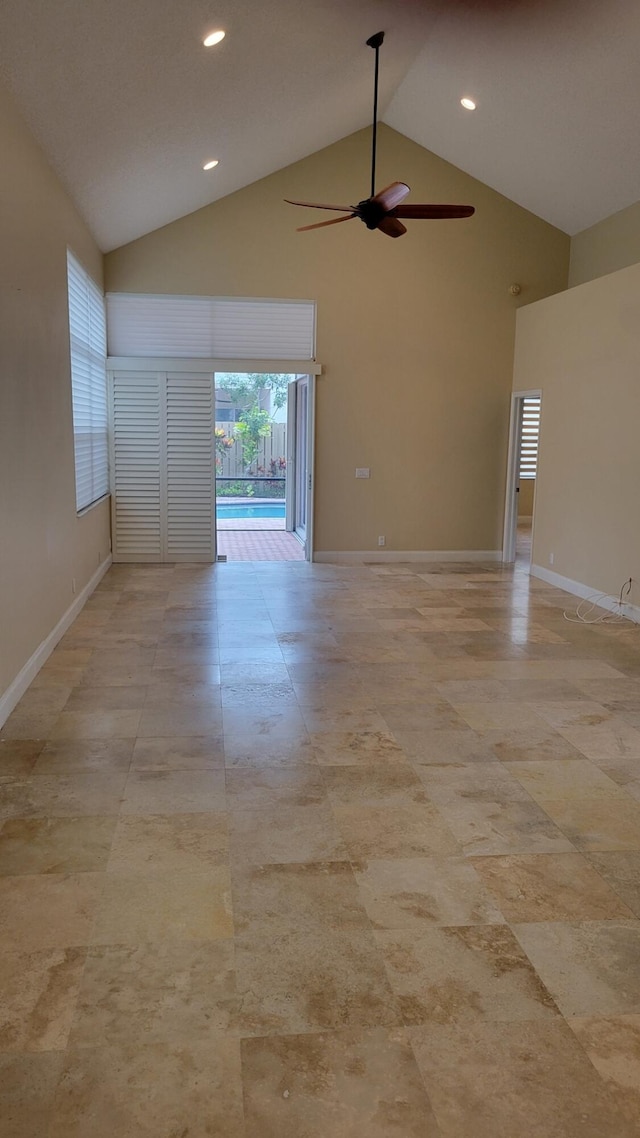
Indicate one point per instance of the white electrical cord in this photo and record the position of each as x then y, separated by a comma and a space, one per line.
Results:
583, 615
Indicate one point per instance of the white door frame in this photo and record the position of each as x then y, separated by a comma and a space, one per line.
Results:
513, 472
292, 471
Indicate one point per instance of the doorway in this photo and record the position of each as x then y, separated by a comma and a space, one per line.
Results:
522, 469
262, 456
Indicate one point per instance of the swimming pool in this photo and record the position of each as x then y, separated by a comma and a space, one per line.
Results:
257, 510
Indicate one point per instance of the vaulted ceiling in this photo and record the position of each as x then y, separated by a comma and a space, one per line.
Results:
128, 105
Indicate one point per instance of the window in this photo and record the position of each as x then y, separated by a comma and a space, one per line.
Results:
88, 337
530, 432
210, 327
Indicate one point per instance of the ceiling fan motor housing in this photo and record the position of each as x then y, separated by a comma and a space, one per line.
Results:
371, 212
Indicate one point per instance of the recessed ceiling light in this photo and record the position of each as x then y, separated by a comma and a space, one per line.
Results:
213, 38
468, 104
211, 164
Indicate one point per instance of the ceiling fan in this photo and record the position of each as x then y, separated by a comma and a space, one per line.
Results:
383, 210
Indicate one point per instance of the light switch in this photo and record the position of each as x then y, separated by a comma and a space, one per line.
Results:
362, 471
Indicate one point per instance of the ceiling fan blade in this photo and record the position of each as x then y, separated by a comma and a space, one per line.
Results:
432, 211
319, 205
391, 196
321, 224
392, 227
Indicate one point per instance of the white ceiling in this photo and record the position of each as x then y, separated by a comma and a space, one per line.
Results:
128, 105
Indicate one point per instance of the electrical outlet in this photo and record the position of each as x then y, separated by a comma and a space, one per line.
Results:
551, 558
362, 471
382, 540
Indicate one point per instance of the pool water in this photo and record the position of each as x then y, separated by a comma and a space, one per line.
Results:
259, 510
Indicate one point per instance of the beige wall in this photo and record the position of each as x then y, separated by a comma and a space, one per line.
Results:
43, 545
582, 349
610, 245
416, 335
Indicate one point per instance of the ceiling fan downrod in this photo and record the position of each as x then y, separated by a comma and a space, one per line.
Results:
375, 42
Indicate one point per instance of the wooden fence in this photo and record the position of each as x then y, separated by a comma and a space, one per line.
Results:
231, 463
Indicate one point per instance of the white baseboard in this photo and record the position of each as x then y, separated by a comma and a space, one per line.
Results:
632, 612
27, 674
380, 556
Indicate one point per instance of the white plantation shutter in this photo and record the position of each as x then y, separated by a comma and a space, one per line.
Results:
530, 434
136, 448
190, 532
163, 466
210, 327
88, 341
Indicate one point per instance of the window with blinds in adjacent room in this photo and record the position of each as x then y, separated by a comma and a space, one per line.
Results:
530, 432
88, 336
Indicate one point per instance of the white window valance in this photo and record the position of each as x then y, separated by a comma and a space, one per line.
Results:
203, 327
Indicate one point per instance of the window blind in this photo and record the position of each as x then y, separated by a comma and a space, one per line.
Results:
210, 327
88, 337
530, 433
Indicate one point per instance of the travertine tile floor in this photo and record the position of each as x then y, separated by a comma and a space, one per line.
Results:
298, 851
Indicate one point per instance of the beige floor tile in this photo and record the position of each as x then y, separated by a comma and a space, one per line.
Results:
529, 746
439, 747
348, 748
198, 674
355, 1082
489, 827
311, 981
95, 725
622, 872
63, 796
499, 715
576, 713
565, 779
177, 754
160, 1090
251, 789
420, 715
549, 887
85, 756
28, 725
605, 740
172, 721
590, 968
393, 784
38, 994
164, 906
297, 753
27, 1087
598, 824
613, 1046
515, 1080
344, 720
296, 897
169, 843
18, 757
284, 833
406, 831
473, 782
253, 750
49, 911
174, 792
463, 973
413, 892
170, 991
117, 697
55, 845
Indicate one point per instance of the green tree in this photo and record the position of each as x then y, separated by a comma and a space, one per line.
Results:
245, 387
252, 426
